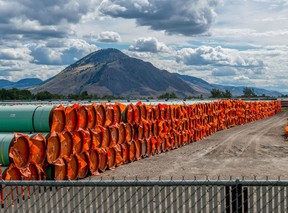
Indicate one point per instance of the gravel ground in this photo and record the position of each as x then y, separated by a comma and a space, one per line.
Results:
255, 149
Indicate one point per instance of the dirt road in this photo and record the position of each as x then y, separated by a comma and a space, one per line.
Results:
255, 149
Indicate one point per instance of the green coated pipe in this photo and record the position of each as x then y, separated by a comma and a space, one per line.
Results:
30, 134
42, 118
17, 118
49, 172
15, 148
5, 142
25, 118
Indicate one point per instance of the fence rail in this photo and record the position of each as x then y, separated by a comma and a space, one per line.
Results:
145, 196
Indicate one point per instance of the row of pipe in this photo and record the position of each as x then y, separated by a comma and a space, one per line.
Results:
87, 139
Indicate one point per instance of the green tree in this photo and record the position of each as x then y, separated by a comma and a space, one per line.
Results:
74, 96
248, 92
168, 96
85, 95
109, 97
15, 94
25, 95
6, 95
95, 96
216, 93
227, 94
45, 95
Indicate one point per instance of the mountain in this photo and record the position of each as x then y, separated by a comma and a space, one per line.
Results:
22, 84
4, 83
197, 84
204, 87
238, 90
111, 72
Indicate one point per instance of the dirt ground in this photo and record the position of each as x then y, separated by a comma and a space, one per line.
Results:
255, 149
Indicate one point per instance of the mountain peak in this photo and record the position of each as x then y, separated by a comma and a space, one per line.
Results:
101, 56
109, 52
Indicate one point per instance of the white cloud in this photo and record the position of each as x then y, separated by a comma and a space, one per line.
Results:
261, 22
186, 17
148, 44
108, 37
9, 69
141, 55
20, 53
70, 51
47, 12
42, 19
205, 55
241, 78
242, 33
35, 71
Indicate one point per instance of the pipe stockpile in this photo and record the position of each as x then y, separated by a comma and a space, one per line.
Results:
80, 140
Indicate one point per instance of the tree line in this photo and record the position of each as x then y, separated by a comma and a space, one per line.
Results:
216, 93
247, 93
18, 94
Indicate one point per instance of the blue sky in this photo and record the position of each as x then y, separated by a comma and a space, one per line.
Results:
227, 42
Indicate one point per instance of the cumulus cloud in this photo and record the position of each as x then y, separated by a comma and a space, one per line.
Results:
105, 37
141, 55
108, 37
14, 59
69, 52
41, 19
241, 78
8, 68
186, 17
15, 54
242, 33
149, 44
7, 63
217, 56
46, 12
19, 29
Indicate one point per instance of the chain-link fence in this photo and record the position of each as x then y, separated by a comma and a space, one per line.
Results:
145, 196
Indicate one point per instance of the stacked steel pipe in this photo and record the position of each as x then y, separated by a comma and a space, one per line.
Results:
73, 142
23, 155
